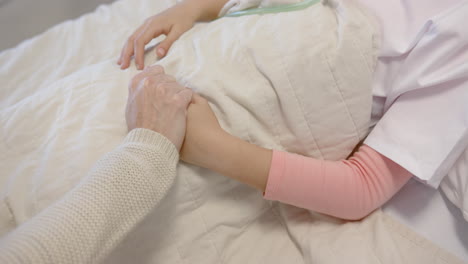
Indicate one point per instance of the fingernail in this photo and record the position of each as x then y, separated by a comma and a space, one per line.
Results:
161, 52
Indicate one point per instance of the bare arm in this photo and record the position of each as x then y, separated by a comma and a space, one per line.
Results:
207, 10
348, 189
208, 145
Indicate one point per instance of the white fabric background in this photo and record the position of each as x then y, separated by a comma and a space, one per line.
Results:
62, 102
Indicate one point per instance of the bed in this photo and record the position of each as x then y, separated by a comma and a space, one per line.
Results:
416, 203
60, 94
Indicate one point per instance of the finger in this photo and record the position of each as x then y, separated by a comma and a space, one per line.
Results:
126, 53
136, 80
140, 42
186, 96
153, 70
171, 88
166, 44
151, 79
163, 79
119, 61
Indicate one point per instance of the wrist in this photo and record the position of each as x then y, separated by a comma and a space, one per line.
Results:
194, 11
240, 160
203, 10
215, 152
153, 139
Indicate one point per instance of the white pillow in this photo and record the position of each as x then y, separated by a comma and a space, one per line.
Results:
455, 184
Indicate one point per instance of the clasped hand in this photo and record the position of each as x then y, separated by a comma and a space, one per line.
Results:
157, 102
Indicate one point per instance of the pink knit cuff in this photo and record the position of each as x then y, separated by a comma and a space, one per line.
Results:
275, 176
347, 189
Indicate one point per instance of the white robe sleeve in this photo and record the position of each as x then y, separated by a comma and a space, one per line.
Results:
425, 125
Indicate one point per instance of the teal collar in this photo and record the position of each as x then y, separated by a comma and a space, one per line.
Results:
275, 9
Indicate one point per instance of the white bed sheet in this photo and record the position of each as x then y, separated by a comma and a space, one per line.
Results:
69, 71
429, 213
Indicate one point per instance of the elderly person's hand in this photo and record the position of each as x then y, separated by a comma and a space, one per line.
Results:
157, 102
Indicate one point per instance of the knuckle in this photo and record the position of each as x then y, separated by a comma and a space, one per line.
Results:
163, 86
137, 42
148, 81
169, 78
131, 39
163, 78
179, 102
158, 68
126, 53
158, 78
134, 82
132, 89
160, 93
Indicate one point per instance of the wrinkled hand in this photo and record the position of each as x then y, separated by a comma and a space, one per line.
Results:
173, 23
157, 102
203, 130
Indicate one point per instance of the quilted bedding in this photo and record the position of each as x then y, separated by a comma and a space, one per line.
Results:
296, 81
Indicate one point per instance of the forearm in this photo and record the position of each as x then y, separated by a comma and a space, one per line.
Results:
92, 219
205, 10
348, 189
239, 160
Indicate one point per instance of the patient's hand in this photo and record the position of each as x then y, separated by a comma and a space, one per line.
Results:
173, 23
207, 145
157, 102
203, 130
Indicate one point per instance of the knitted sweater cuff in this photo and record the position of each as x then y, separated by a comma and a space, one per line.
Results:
154, 140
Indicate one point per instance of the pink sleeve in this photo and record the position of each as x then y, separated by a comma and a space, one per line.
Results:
348, 189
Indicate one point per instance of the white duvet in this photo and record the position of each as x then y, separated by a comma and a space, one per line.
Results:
294, 81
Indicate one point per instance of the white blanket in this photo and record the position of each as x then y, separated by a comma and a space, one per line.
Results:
295, 81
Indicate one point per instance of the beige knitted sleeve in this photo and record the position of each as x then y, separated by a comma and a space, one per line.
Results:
84, 226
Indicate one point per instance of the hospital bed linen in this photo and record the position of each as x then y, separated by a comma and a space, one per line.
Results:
411, 78
418, 202
62, 103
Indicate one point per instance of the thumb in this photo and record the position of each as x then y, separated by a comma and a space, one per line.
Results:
186, 95
166, 44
